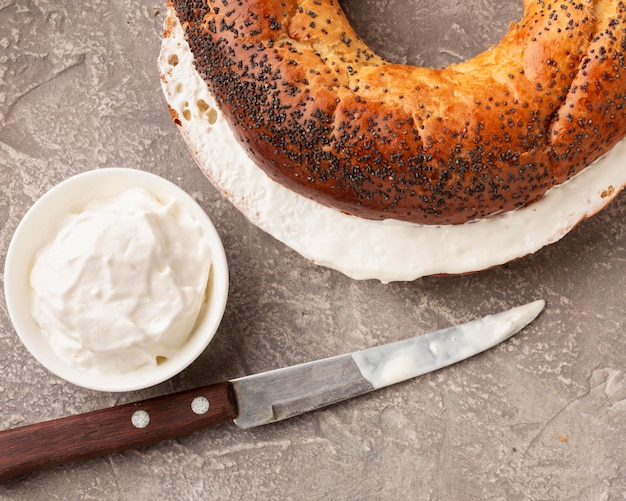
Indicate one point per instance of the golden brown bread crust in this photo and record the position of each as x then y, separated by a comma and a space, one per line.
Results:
323, 115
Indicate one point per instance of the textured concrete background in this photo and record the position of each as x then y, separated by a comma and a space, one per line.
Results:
540, 417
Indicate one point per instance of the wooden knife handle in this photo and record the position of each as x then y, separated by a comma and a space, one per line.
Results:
107, 431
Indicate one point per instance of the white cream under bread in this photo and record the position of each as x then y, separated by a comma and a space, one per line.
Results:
395, 250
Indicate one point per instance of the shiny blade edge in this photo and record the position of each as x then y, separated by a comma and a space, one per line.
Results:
283, 393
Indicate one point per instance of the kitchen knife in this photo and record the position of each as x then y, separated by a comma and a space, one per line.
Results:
251, 400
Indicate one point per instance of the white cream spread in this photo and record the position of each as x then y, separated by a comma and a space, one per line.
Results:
122, 283
363, 249
392, 363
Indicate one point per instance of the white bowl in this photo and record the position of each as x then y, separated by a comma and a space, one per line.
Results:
39, 226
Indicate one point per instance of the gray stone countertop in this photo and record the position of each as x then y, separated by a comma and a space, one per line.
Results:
540, 417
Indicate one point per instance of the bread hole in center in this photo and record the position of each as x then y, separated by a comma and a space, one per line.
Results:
434, 33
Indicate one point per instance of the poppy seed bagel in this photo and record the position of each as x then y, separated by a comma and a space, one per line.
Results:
326, 117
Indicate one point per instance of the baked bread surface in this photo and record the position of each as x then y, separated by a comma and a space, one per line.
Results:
329, 119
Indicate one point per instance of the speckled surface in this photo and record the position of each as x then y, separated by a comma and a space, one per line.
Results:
541, 417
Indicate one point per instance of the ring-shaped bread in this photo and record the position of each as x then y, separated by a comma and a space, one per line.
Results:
329, 119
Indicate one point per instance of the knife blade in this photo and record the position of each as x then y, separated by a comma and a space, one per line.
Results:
252, 400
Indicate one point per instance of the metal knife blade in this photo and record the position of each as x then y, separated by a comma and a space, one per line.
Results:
283, 393
251, 400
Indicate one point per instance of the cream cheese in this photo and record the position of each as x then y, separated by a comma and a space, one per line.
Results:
385, 365
122, 282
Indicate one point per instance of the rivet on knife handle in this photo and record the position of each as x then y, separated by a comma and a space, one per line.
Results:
107, 431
